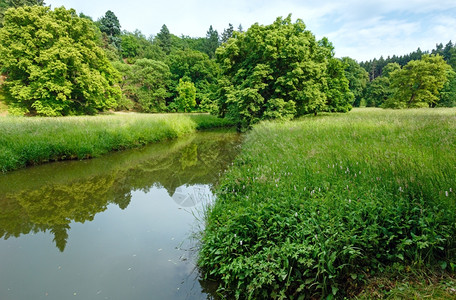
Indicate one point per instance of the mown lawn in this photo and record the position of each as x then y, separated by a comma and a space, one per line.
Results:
321, 206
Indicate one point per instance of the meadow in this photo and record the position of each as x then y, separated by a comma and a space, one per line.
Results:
324, 206
30, 141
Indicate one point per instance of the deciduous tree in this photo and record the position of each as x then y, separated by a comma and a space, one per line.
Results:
357, 79
196, 67
379, 90
146, 83
187, 94
5, 4
53, 63
419, 82
278, 71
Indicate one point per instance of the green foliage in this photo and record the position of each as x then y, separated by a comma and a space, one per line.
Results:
227, 33
448, 93
196, 67
135, 45
212, 42
419, 82
379, 90
163, 39
357, 79
110, 25
5, 4
146, 83
339, 96
31, 141
53, 63
313, 208
187, 94
279, 62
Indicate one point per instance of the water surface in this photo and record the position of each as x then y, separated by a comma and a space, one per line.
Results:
115, 227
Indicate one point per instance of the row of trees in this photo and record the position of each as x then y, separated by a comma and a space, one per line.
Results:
375, 66
418, 79
59, 63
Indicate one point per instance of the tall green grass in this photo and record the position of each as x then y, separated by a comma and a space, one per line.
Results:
29, 141
315, 207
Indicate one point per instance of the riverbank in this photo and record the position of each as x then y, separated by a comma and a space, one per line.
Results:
30, 141
322, 206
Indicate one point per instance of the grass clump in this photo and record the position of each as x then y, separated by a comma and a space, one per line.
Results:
316, 207
30, 141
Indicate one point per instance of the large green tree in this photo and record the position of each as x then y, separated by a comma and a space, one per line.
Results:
419, 82
109, 24
53, 63
339, 98
278, 71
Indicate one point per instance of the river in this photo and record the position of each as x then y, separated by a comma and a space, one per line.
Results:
122, 226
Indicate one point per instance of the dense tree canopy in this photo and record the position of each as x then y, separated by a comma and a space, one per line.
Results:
53, 63
187, 95
419, 82
279, 71
5, 4
379, 90
274, 71
109, 24
357, 78
146, 83
196, 67
135, 45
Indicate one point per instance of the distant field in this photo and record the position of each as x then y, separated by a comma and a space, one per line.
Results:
28, 141
321, 206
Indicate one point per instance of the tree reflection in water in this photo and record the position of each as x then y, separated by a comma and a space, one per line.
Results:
51, 197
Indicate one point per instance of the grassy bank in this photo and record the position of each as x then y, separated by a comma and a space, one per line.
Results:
29, 141
319, 206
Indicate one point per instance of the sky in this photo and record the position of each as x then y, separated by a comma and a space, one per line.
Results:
360, 29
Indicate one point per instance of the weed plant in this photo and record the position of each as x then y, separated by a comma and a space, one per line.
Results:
313, 208
29, 141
